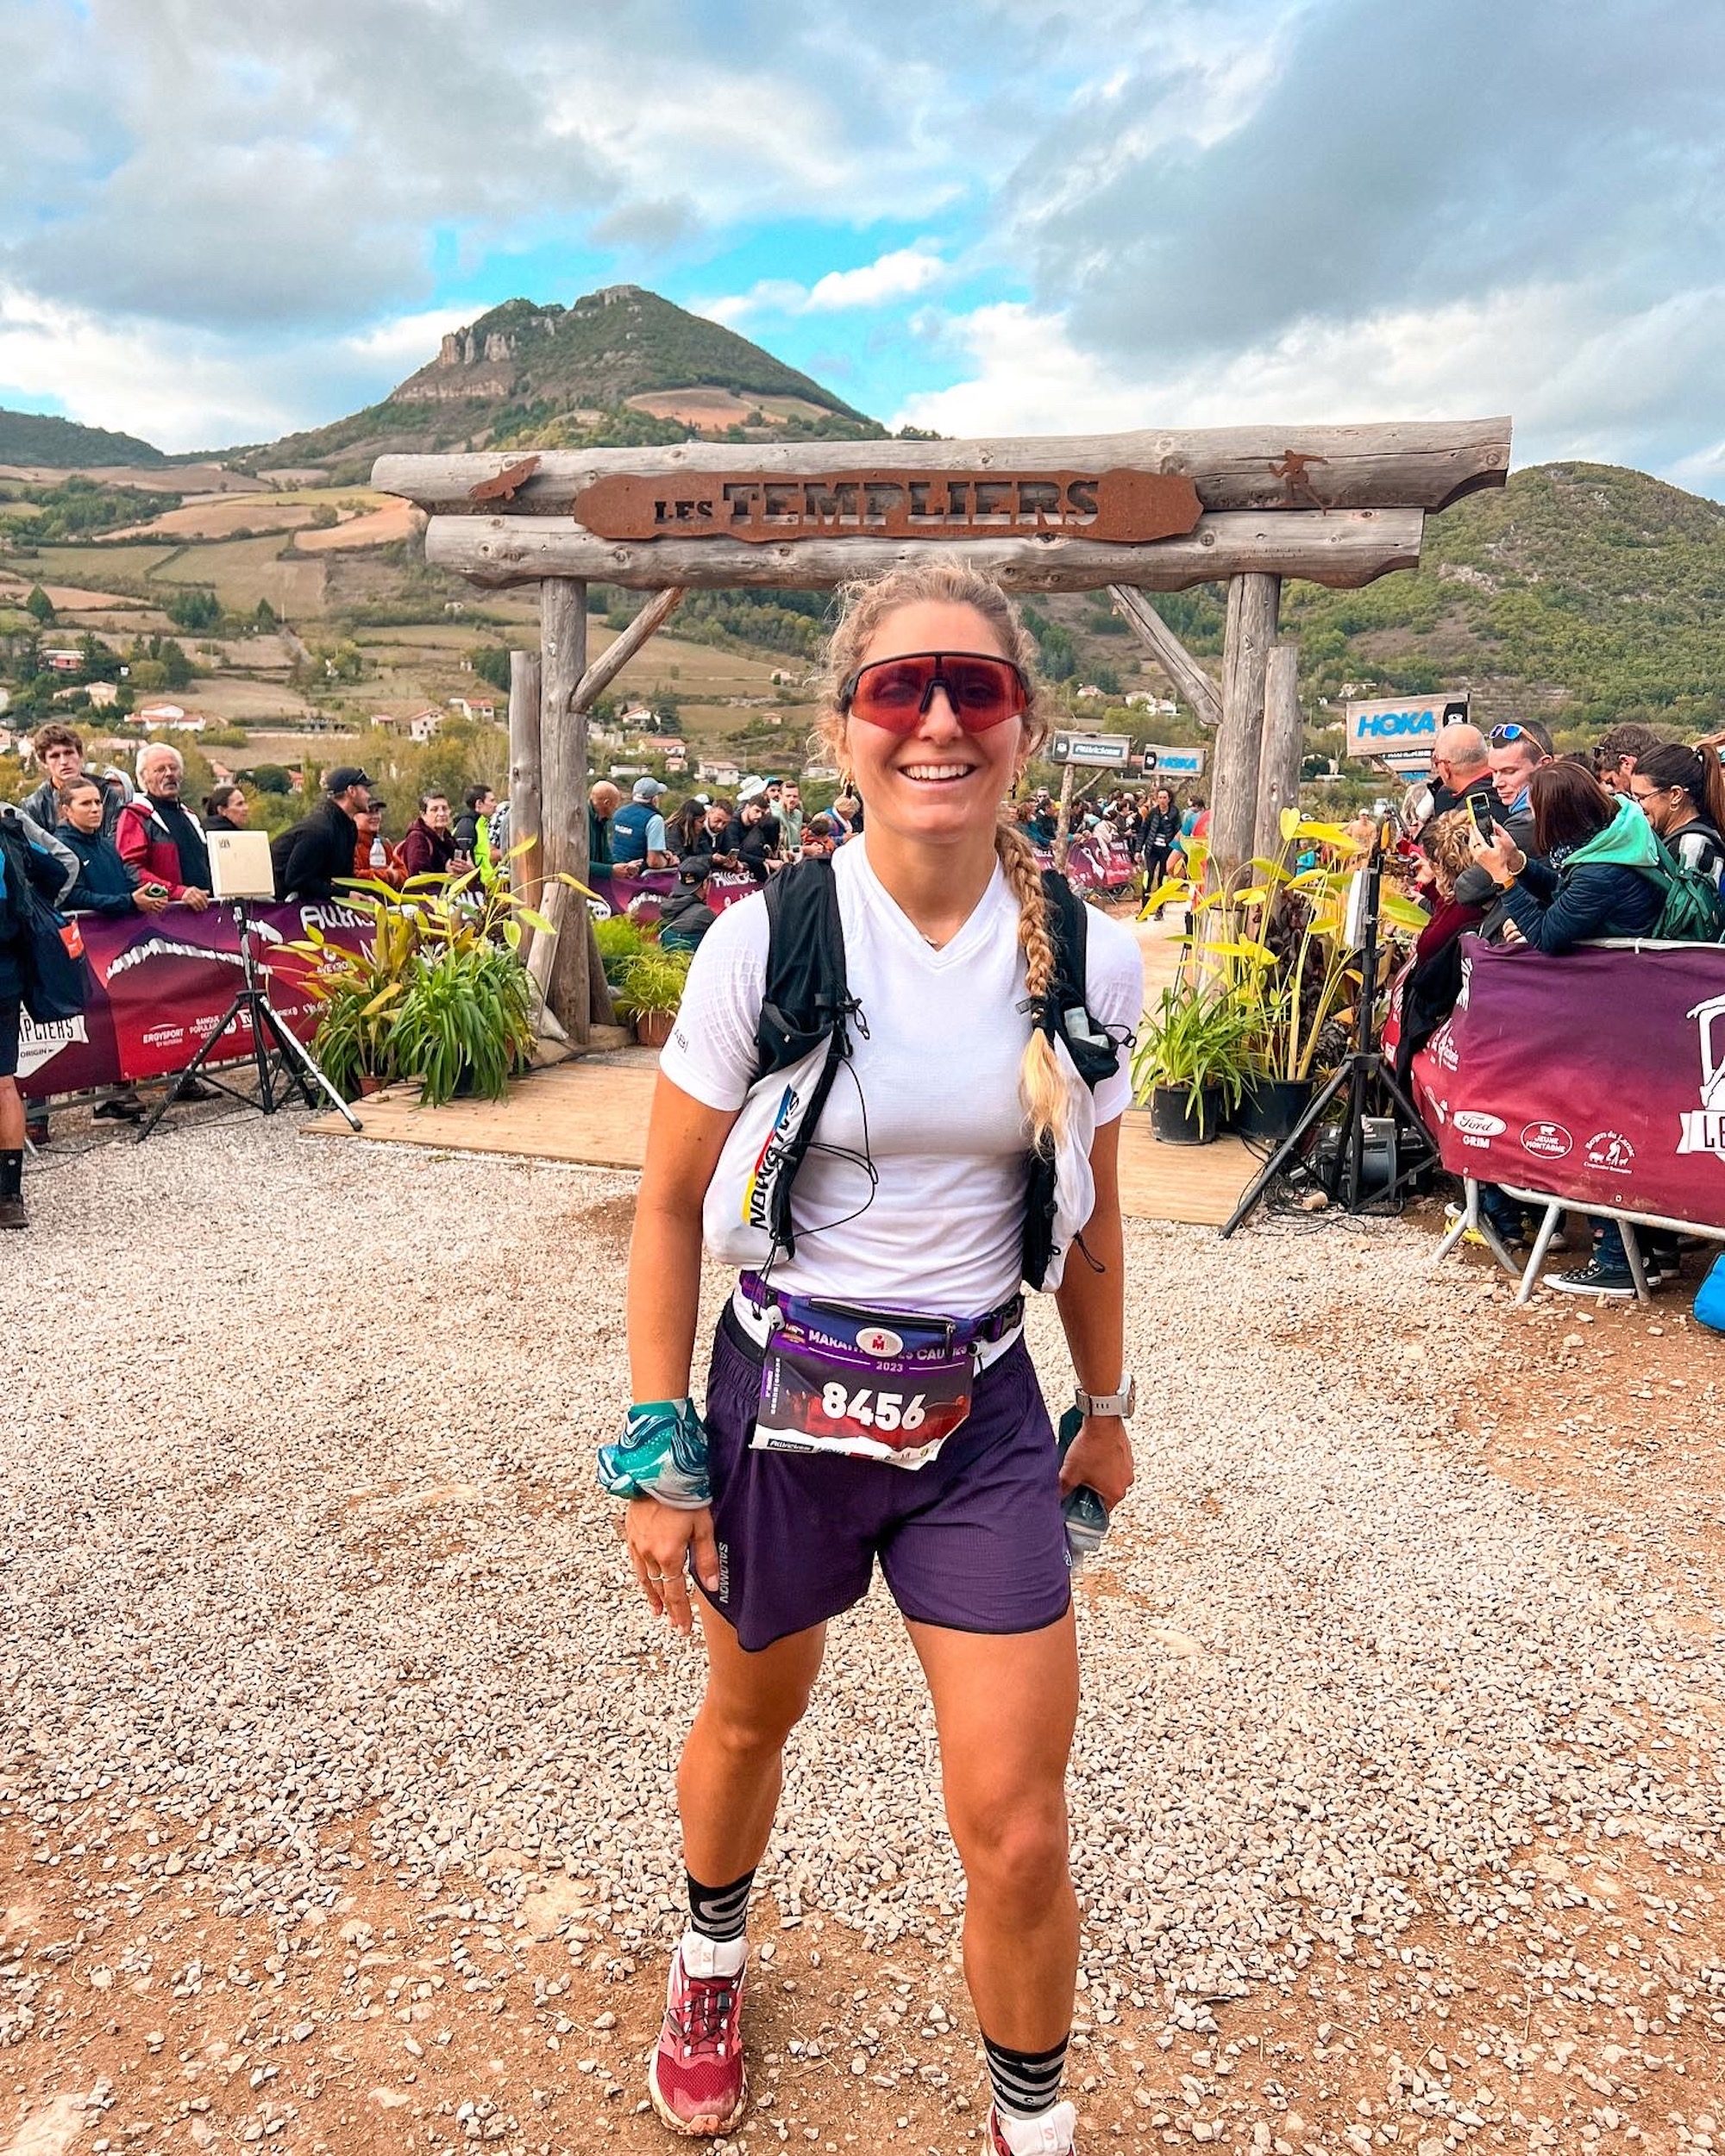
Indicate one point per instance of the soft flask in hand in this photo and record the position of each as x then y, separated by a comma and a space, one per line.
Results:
1085, 1515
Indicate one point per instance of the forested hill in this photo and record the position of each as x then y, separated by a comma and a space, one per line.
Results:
38, 438
1581, 593
620, 365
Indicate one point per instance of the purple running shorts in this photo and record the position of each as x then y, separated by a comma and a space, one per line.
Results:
974, 1541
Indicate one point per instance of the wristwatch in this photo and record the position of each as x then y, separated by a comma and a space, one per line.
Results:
1119, 1403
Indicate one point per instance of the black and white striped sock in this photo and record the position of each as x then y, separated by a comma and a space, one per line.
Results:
719, 1913
1025, 2083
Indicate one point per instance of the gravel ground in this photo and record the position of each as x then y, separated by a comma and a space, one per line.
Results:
311, 1618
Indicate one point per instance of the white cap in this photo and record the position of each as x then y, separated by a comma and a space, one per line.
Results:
750, 790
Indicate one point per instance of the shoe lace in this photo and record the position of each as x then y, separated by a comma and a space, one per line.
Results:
707, 2008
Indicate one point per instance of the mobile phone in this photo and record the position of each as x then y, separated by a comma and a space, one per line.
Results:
1483, 822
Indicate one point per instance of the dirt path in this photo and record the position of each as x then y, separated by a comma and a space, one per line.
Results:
214, 1936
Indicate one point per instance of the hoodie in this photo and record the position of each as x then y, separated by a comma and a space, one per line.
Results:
1611, 885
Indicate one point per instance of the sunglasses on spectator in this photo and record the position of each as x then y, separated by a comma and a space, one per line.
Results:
1510, 733
896, 693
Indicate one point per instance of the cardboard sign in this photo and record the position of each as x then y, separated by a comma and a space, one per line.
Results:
1122, 507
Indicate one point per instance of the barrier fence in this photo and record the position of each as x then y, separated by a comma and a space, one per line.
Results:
160, 986
1598, 1077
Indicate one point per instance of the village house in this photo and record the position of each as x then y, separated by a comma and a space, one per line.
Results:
57, 659
718, 774
419, 727
168, 718
473, 707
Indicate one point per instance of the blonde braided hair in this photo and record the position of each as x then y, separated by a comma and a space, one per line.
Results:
946, 580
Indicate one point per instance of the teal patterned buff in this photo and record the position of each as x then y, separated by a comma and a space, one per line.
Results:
662, 1454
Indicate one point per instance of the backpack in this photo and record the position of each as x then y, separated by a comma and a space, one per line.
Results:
50, 948
805, 1000
1694, 912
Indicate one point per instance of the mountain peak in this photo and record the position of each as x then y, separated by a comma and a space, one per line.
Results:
620, 363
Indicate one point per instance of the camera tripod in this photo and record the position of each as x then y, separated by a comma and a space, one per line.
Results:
280, 1059
1368, 1090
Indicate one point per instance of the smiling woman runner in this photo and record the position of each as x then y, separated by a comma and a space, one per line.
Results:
870, 1395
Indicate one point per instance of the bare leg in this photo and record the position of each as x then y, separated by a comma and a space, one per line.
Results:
11, 1117
732, 1767
1006, 1706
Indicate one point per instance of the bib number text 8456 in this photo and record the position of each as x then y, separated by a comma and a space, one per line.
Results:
873, 1410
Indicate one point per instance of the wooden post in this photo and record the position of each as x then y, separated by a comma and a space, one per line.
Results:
1063, 822
1254, 603
564, 759
1188, 677
525, 778
1285, 743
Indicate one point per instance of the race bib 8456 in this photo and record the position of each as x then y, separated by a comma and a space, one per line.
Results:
877, 1385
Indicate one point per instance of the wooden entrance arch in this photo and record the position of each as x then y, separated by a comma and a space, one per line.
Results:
1132, 513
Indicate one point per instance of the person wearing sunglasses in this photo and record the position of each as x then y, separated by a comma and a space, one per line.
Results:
1681, 792
769, 1509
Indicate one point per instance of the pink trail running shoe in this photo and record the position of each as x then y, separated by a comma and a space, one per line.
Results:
697, 2080
1049, 2135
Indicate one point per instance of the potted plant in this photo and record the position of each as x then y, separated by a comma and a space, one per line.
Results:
437, 994
464, 1023
620, 943
650, 992
1193, 1061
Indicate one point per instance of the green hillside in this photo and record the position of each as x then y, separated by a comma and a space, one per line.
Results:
1581, 593
35, 437
554, 376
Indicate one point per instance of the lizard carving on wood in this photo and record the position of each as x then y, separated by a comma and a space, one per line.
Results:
505, 485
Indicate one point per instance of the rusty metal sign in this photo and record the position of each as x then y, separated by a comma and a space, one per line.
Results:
1125, 508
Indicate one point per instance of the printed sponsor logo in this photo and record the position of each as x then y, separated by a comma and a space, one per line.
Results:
1611, 1152
1444, 1049
165, 1036
1703, 1128
39, 1044
875, 1339
1476, 1124
1546, 1141
757, 1197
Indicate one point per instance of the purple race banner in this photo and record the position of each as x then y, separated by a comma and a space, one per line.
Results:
161, 985
1598, 1076
642, 896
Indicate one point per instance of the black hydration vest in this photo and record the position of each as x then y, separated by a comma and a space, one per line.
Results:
806, 1000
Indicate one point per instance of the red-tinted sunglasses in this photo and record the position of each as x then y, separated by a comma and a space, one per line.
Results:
896, 693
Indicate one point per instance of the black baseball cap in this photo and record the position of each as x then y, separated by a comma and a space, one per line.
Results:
343, 776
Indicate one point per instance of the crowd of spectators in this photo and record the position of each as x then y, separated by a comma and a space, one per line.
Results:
744, 840
1516, 843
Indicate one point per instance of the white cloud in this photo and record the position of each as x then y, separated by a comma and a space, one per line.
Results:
1580, 379
192, 390
889, 278
906, 271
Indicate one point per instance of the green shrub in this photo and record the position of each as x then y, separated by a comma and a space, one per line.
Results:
620, 943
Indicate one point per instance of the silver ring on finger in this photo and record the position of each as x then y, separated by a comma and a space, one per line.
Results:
658, 1579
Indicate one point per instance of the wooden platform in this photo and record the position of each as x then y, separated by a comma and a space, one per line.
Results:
593, 1110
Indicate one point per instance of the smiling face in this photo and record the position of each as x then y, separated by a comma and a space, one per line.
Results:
938, 784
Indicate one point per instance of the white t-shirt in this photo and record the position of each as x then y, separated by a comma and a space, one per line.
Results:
936, 1074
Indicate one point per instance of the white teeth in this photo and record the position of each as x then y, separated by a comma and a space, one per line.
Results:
936, 770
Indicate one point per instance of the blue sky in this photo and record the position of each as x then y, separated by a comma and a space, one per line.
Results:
219, 223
